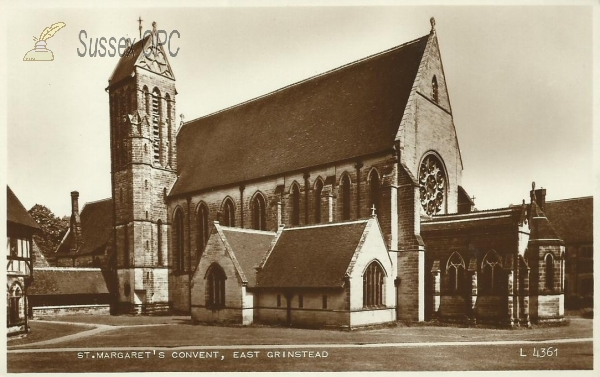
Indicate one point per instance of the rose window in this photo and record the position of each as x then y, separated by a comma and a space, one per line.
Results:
431, 185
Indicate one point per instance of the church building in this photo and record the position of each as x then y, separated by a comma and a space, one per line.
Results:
334, 201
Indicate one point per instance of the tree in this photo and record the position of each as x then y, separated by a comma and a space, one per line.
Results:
53, 229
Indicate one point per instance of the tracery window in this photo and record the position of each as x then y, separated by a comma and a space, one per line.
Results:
259, 217
318, 192
202, 217
345, 198
228, 213
492, 276
373, 285
455, 270
375, 191
432, 185
156, 129
178, 241
549, 270
159, 238
295, 204
215, 287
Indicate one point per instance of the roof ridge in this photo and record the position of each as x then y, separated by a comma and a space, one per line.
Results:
98, 201
569, 199
305, 80
325, 225
246, 230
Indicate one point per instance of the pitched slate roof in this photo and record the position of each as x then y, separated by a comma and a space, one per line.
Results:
572, 218
67, 281
475, 219
96, 228
351, 111
126, 65
16, 213
312, 256
541, 228
249, 248
39, 260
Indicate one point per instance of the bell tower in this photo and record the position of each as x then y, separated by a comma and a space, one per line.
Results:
143, 169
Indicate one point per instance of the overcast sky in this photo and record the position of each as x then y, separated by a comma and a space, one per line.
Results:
519, 79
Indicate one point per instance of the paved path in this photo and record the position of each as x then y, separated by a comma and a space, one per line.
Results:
97, 328
305, 346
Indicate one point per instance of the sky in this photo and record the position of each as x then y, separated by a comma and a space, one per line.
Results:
519, 80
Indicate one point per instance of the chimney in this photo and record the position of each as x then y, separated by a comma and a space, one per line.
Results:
75, 225
540, 198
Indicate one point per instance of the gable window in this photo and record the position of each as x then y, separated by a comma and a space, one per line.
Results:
202, 217
492, 276
295, 204
435, 95
345, 198
259, 217
324, 301
215, 287
178, 240
228, 213
455, 271
375, 191
549, 270
318, 192
373, 285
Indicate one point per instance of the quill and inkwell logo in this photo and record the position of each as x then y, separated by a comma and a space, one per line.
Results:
40, 53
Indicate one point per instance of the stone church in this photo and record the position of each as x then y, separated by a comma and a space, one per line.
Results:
334, 201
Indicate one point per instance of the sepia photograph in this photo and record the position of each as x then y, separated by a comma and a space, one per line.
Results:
299, 187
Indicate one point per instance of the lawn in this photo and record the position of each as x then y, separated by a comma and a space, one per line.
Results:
186, 334
41, 331
151, 333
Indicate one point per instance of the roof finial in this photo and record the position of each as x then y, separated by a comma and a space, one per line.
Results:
373, 211
140, 22
533, 185
153, 27
182, 117
432, 21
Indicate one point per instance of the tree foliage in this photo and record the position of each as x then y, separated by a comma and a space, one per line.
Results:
53, 229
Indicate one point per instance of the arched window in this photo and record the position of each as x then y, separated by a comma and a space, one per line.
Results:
492, 278
375, 191
373, 286
432, 184
156, 129
16, 305
202, 218
259, 214
178, 240
295, 204
228, 213
159, 230
318, 192
435, 96
146, 100
455, 270
215, 287
169, 128
345, 197
549, 270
